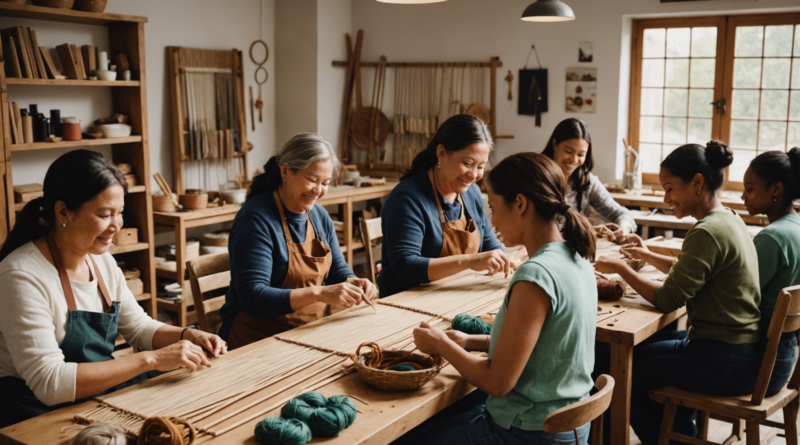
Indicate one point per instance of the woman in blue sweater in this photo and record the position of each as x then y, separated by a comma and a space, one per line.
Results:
433, 222
286, 265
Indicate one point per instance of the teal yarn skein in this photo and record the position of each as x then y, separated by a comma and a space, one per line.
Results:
471, 325
325, 417
403, 368
280, 431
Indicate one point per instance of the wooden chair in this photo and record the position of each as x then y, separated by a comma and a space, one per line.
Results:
208, 273
578, 414
753, 409
370, 230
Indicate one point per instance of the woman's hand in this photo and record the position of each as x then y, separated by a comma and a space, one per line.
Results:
342, 294
619, 234
634, 248
210, 342
459, 338
493, 261
429, 339
369, 289
181, 354
605, 264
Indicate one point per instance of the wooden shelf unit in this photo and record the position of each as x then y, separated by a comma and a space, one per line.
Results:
125, 35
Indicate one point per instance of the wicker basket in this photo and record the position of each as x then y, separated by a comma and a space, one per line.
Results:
162, 203
397, 380
61, 4
90, 5
193, 202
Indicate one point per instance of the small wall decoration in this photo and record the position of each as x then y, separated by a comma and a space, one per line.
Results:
581, 90
532, 98
585, 52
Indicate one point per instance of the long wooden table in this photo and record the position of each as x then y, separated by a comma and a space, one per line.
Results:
389, 415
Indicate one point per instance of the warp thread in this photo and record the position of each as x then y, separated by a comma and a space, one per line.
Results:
166, 431
611, 290
100, 434
325, 417
471, 325
280, 431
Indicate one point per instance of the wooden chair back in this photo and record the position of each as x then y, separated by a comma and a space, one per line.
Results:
208, 273
370, 230
590, 409
785, 318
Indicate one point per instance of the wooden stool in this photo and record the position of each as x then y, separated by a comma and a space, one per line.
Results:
587, 410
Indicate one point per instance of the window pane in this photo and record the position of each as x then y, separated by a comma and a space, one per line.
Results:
703, 73
749, 41
794, 134
678, 42
666, 150
744, 104
744, 134
654, 40
675, 102
796, 72
741, 160
776, 73
675, 130
700, 103
778, 41
704, 42
797, 41
746, 73
774, 104
653, 73
772, 136
652, 101
650, 155
794, 111
677, 73
650, 129
699, 131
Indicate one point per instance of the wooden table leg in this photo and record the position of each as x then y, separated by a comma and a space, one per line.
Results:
180, 270
621, 367
348, 231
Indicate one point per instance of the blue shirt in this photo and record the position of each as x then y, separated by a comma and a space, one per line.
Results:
259, 258
412, 231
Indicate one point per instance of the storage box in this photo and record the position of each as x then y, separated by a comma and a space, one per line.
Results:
126, 236
27, 192
136, 286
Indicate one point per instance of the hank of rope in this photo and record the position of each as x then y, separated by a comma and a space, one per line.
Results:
166, 431
611, 290
380, 359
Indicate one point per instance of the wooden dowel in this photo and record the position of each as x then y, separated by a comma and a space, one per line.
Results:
206, 70
498, 64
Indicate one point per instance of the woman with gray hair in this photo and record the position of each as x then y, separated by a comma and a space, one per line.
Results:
286, 265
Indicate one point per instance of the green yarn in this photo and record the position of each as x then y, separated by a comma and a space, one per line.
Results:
403, 368
325, 417
471, 325
280, 431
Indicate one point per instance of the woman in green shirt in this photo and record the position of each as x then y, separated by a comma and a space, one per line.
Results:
540, 351
771, 183
715, 277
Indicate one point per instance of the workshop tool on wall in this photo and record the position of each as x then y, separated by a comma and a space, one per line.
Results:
347, 109
252, 114
510, 79
369, 126
257, 75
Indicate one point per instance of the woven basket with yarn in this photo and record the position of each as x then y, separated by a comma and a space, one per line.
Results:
374, 367
90, 5
61, 4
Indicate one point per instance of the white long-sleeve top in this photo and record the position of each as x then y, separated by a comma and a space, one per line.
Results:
34, 319
597, 197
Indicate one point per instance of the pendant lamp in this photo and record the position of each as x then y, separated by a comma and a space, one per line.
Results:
548, 11
411, 2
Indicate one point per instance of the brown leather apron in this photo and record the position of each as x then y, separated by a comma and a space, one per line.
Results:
309, 263
459, 237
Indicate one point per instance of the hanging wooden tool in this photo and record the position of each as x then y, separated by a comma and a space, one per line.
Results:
510, 79
369, 126
258, 76
347, 109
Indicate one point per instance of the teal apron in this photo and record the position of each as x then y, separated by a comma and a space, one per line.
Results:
90, 338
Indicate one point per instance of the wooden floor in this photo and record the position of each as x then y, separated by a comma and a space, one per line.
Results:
719, 431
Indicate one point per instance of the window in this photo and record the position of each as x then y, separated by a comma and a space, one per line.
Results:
734, 78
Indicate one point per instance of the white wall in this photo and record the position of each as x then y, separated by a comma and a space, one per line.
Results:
474, 30
210, 24
333, 22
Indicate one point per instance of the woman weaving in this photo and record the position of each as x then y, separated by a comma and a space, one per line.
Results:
434, 224
65, 300
286, 265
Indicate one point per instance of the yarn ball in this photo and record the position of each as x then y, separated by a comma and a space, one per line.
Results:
280, 431
403, 368
166, 431
471, 325
325, 417
100, 434
611, 290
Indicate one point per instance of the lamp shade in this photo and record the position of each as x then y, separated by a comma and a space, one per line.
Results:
548, 11
411, 2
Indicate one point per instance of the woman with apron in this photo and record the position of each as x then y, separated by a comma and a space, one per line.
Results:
286, 265
434, 223
65, 300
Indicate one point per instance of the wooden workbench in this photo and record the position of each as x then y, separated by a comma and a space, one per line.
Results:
390, 414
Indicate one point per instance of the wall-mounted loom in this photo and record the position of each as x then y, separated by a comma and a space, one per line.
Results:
209, 125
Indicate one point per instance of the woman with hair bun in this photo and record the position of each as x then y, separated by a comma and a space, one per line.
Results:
715, 277
286, 264
771, 184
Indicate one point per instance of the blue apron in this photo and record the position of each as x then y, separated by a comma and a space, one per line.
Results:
90, 338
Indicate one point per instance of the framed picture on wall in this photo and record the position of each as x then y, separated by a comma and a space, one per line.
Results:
581, 94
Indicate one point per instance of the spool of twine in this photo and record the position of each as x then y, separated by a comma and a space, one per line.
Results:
471, 325
166, 431
280, 431
611, 290
325, 417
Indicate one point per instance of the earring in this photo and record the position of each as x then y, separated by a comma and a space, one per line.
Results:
284, 180
774, 199
698, 193
63, 224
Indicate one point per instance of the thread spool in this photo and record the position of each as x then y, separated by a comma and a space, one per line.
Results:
611, 290
27, 129
325, 417
471, 325
280, 431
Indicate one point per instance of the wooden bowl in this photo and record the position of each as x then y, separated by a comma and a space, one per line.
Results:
61, 4
193, 202
163, 203
90, 5
359, 127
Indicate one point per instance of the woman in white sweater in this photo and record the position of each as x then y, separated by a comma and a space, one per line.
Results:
64, 299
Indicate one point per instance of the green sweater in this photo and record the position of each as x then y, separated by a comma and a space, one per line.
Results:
716, 277
778, 247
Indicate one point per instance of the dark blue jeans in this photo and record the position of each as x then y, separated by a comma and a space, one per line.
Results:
787, 355
706, 366
477, 427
